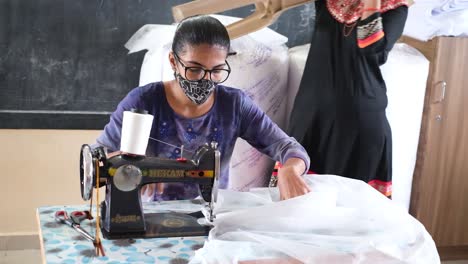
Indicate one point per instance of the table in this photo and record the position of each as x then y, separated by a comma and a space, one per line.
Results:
62, 244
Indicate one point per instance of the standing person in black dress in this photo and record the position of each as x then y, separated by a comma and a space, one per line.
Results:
339, 111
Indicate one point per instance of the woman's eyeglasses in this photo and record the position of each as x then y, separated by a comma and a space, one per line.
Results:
198, 73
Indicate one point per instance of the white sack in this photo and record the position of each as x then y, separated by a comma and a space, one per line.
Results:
405, 75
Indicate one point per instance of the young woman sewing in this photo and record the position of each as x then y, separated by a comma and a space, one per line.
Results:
195, 108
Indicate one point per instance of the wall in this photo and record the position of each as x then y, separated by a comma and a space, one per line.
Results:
38, 168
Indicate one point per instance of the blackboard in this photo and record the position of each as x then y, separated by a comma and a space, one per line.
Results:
63, 64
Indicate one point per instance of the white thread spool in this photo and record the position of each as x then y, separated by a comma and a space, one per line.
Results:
136, 128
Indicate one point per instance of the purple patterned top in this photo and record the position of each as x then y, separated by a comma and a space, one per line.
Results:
233, 115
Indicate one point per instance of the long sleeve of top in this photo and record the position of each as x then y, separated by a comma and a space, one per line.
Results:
260, 132
377, 34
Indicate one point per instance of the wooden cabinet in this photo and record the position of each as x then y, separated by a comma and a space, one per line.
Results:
439, 197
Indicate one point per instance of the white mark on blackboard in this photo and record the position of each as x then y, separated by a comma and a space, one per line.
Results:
48, 64
306, 15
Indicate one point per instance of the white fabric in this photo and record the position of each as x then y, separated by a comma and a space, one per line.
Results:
431, 18
405, 74
447, 6
341, 221
260, 68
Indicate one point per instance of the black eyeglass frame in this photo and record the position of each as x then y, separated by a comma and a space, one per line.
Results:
228, 70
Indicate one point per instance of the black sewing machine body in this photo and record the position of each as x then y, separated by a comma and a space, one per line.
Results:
124, 175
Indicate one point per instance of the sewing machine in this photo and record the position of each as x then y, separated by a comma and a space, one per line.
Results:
125, 174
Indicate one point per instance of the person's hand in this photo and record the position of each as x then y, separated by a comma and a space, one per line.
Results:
290, 181
149, 189
112, 154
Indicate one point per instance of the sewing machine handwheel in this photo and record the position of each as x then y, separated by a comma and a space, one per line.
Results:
87, 172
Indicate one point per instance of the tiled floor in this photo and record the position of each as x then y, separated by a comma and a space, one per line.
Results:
33, 256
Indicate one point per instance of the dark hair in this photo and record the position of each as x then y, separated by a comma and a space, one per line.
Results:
201, 29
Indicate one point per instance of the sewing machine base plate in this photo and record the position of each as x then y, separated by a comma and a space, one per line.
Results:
166, 225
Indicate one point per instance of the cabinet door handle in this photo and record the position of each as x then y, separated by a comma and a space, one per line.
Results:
441, 97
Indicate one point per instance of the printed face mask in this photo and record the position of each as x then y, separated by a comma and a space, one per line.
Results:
197, 91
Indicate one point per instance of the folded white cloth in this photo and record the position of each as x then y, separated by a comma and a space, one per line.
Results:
450, 6
431, 18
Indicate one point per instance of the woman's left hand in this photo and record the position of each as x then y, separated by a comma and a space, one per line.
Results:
290, 181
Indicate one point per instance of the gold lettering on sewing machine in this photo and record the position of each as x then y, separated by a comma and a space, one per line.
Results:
166, 173
171, 173
120, 219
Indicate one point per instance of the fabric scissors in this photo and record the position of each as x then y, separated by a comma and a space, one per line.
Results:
74, 221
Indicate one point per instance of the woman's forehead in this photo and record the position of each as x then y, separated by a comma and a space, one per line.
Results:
206, 55
203, 50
